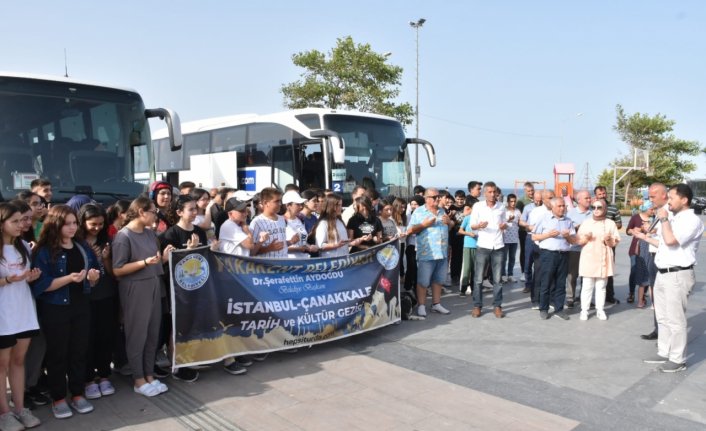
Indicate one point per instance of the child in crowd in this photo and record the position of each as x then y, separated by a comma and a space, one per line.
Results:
116, 217
68, 272
297, 234
470, 244
137, 264
18, 318
104, 305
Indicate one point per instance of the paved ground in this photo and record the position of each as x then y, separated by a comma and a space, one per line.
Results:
445, 373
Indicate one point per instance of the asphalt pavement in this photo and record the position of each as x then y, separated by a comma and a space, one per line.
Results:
448, 372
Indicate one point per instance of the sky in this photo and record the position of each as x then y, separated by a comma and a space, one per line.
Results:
506, 88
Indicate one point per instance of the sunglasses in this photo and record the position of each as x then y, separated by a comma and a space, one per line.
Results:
597, 207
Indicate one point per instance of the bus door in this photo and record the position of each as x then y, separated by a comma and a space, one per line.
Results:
282, 166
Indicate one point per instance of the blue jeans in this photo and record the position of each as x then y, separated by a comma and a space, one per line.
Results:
496, 260
509, 259
554, 268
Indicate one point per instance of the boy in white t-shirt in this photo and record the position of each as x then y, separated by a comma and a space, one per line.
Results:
235, 237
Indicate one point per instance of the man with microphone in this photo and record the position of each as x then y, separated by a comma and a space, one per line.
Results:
678, 237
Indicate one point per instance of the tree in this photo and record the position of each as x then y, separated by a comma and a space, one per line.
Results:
667, 154
350, 76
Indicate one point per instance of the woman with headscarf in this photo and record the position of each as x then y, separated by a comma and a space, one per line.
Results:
639, 252
598, 236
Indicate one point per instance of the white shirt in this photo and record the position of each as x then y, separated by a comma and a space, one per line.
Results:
322, 239
277, 230
652, 248
17, 310
296, 227
688, 229
231, 235
491, 236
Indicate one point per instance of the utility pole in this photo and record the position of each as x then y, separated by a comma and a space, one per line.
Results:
417, 170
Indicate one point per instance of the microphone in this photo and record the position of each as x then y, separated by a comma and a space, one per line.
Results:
653, 225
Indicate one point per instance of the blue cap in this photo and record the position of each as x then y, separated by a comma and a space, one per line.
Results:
645, 206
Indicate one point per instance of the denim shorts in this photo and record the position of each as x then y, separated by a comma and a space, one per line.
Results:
432, 271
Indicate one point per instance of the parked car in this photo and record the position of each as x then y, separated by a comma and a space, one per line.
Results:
698, 204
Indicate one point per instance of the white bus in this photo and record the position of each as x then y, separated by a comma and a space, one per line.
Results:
312, 147
83, 137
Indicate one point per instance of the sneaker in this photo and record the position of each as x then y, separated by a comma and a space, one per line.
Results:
8, 422
161, 387
600, 314
503, 279
36, 397
543, 315
428, 291
421, 311
656, 359
147, 390
522, 278
27, 418
235, 369
106, 387
92, 391
551, 308
186, 375
438, 308
445, 291
535, 307
160, 372
81, 405
583, 315
672, 367
260, 357
244, 360
511, 279
569, 304
562, 315
61, 410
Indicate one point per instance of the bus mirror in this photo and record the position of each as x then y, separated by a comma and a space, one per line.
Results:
173, 125
431, 154
338, 149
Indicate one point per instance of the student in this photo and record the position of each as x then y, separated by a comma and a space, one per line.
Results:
410, 279
18, 323
116, 217
330, 234
364, 225
309, 209
27, 234
161, 194
389, 226
137, 264
203, 216
39, 209
42, 187
103, 302
298, 246
68, 272
184, 234
272, 223
235, 238
470, 244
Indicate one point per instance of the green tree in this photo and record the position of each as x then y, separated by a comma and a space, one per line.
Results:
350, 76
668, 155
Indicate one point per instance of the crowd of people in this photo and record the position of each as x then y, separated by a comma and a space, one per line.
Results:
83, 288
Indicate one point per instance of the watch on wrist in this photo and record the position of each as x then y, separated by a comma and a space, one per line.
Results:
663, 219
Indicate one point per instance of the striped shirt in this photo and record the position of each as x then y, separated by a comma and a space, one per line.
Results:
612, 213
277, 230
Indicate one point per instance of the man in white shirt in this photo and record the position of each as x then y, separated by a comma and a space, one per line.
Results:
677, 241
488, 219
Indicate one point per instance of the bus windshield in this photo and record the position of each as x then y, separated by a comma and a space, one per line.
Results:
373, 157
80, 137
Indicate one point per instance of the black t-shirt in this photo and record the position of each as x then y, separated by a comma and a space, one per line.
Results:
362, 226
177, 237
75, 263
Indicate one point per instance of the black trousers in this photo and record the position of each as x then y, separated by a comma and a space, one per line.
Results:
410, 278
104, 324
523, 235
66, 328
456, 243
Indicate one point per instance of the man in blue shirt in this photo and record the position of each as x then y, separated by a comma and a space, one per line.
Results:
431, 225
555, 234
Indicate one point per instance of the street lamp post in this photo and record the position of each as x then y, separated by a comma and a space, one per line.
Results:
417, 170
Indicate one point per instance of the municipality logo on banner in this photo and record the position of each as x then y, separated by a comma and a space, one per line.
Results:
191, 272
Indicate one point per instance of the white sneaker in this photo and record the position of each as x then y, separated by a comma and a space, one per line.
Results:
600, 314
445, 291
92, 391
511, 279
504, 278
522, 278
438, 308
551, 308
421, 311
535, 307
583, 315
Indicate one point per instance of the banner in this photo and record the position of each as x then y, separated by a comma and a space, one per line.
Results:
225, 305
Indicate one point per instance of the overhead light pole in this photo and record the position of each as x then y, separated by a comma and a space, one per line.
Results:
416, 25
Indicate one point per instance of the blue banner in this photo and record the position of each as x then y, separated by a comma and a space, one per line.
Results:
225, 305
